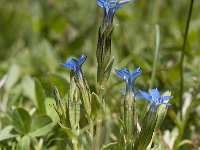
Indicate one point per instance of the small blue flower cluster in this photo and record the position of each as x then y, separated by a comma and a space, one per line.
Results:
153, 97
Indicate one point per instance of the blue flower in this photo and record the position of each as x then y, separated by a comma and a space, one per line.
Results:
155, 99
76, 65
128, 77
110, 8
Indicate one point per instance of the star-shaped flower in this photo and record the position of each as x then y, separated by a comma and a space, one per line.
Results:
155, 99
129, 77
110, 7
76, 64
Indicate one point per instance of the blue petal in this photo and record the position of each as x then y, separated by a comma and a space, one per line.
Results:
146, 95
120, 73
126, 71
166, 98
155, 93
113, 4
121, 4
82, 60
127, 75
70, 64
137, 72
101, 2
137, 94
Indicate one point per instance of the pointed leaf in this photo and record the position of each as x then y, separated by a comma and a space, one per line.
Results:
108, 70
148, 127
6, 133
68, 132
40, 97
21, 120
96, 104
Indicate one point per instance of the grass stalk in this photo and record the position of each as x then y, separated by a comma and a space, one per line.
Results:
154, 66
156, 55
183, 56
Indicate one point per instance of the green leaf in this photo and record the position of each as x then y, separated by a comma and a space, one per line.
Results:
41, 126
109, 146
24, 143
13, 76
121, 122
60, 108
28, 87
6, 133
49, 102
74, 104
40, 97
148, 127
69, 132
96, 104
108, 70
21, 120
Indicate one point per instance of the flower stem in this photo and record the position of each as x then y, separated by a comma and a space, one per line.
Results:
98, 132
75, 145
129, 119
99, 122
183, 55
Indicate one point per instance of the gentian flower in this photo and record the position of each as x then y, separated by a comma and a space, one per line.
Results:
76, 65
110, 8
155, 99
129, 78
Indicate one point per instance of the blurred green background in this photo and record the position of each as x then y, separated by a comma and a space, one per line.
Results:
37, 35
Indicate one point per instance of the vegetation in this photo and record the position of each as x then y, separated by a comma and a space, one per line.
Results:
162, 37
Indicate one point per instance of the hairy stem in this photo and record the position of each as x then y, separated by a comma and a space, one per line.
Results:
99, 120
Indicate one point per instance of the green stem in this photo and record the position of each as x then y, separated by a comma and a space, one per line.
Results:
129, 120
75, 145
99, 121
91, 125
183, 56
98, 132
